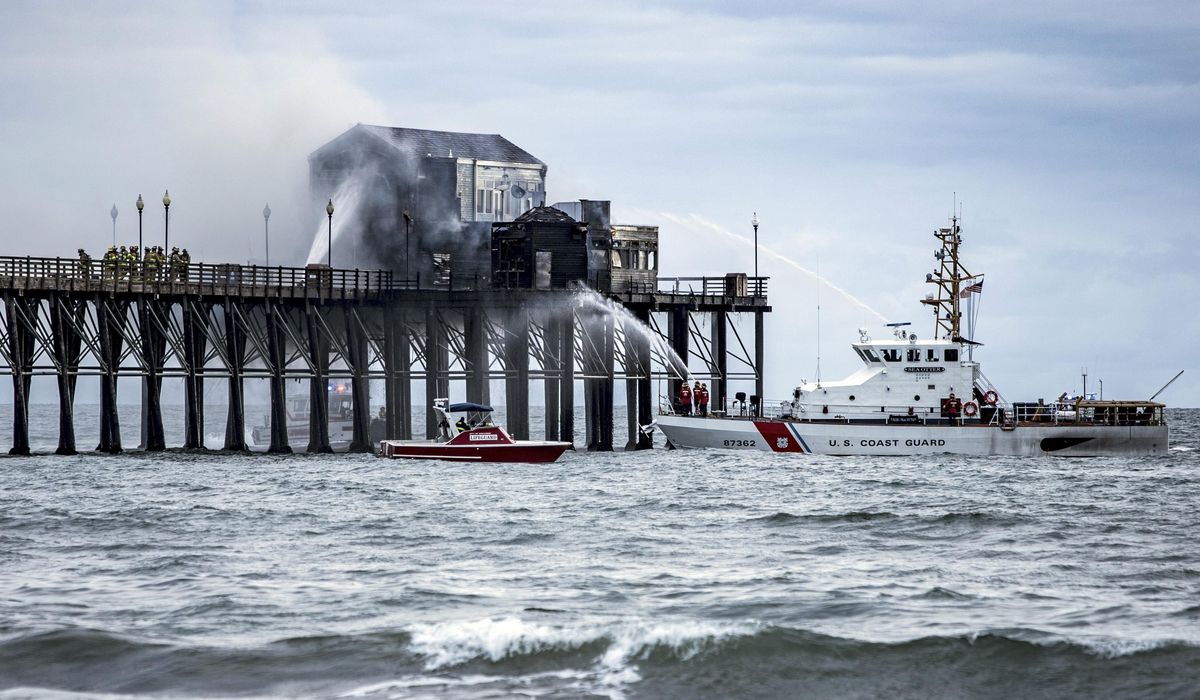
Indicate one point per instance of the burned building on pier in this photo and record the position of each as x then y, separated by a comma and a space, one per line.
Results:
421, 202
444, 208
574, 243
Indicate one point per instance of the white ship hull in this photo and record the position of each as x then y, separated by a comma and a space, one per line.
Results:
829, 438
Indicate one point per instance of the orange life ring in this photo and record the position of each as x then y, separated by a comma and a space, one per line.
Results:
991, 397
970, 408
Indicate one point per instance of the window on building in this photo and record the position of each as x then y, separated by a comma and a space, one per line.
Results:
616, 259
952, 355
480, 196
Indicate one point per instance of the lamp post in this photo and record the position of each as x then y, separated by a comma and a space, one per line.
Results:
113, 214
166, 220
267, 232
407, 250
754, 223
329, 211
140, 206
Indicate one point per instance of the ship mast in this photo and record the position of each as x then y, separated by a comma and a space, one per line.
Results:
948, 278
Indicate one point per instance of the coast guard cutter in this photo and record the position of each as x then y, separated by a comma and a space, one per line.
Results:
923, 396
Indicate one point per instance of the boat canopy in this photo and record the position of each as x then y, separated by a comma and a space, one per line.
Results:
468, 407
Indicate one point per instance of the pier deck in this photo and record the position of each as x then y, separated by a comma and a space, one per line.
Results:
236, 322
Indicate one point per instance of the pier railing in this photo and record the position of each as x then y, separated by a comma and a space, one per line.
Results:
174, 277
727, 286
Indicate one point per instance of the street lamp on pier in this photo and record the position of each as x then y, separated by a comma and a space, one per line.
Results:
267, 232
140, 206
166, 220
113, 214
754, 223
329, 211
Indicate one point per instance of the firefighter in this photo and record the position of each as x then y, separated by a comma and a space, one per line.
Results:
185, 261
151, 263
109, 261
123, 262
85, 264
685, 399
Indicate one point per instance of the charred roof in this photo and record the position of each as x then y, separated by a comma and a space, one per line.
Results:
546, 215
442, 144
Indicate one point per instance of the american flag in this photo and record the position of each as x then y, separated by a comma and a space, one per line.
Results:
972, 289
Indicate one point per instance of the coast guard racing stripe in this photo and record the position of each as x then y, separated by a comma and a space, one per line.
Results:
781, 437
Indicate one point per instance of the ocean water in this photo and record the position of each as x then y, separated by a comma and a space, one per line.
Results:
664, 574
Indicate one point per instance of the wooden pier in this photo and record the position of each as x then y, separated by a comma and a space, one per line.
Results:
232, 322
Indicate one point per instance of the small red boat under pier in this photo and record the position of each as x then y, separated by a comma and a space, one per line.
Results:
472, 438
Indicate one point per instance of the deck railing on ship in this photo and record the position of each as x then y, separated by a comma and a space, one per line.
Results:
1088, 413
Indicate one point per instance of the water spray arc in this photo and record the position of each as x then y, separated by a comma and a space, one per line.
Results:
593, 301
696, 222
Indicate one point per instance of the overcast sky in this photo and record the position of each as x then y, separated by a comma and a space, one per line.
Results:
1069, 131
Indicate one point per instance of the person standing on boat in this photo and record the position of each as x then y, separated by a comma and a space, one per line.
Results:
702, 399
685, 399
953, 406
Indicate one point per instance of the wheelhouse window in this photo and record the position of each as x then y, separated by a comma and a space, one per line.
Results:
914, 354
952, 355
931, 355
861, 355
871, 356
891, 354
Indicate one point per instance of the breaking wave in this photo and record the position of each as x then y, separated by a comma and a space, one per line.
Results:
612, 659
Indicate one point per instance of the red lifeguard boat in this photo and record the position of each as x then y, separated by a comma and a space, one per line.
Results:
477, 440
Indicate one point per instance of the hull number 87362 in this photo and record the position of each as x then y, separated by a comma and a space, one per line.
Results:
740, 443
